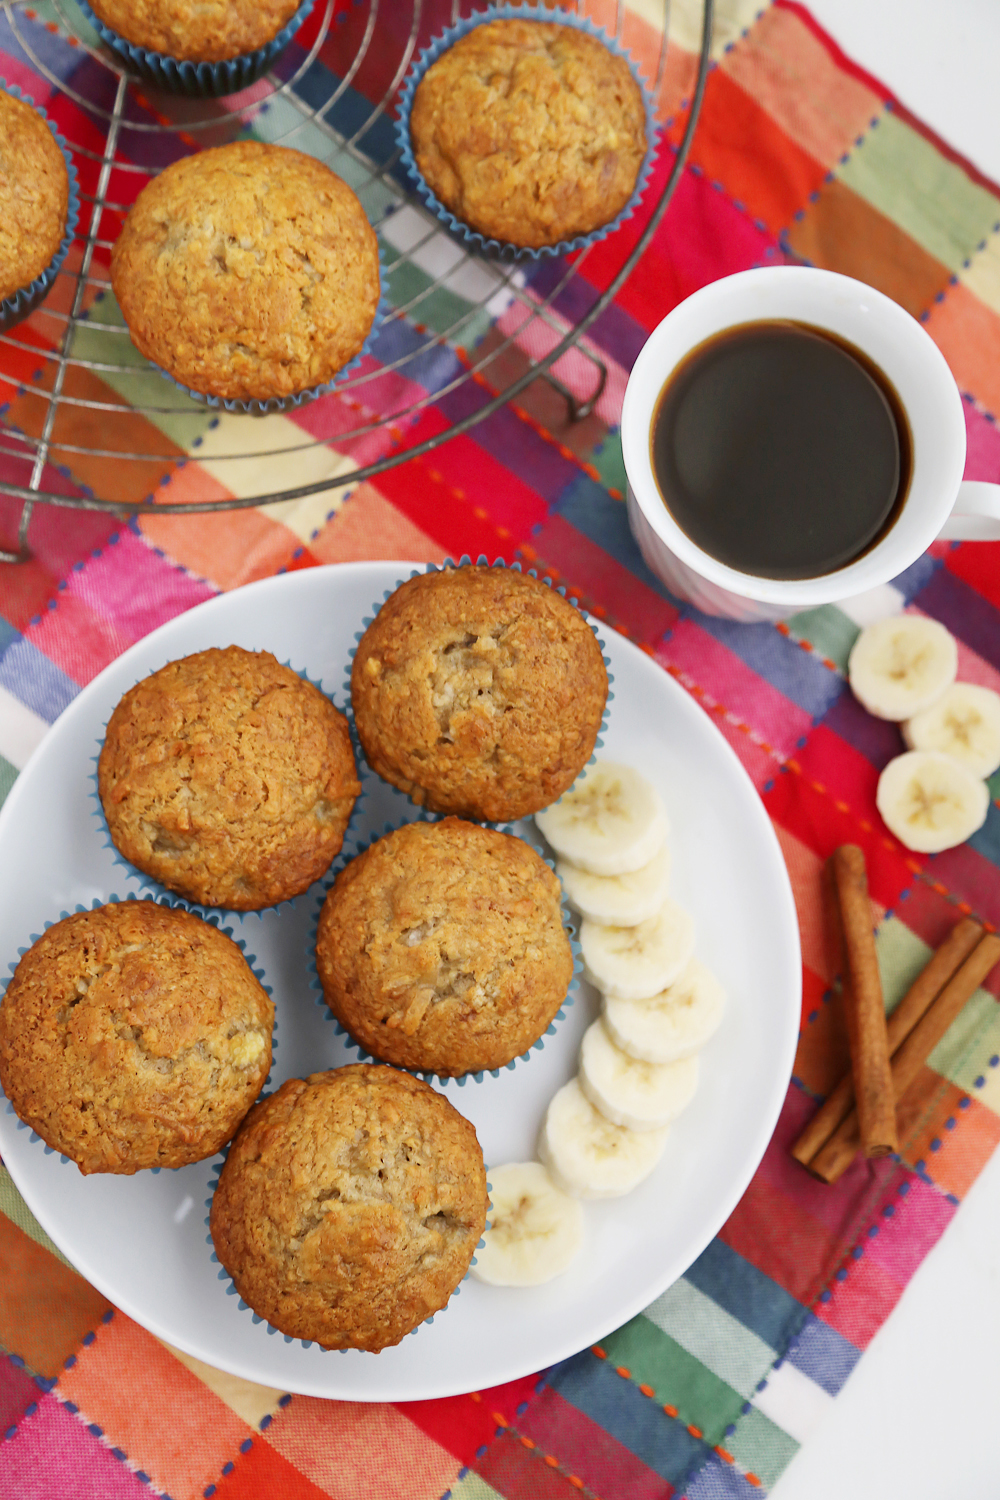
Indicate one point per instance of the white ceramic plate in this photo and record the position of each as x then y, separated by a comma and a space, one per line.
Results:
141, 1240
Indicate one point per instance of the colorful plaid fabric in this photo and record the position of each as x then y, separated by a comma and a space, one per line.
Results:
799, 156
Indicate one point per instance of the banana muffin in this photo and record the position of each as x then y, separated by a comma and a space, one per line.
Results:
34, 194
228, 778
530, 132
349, 1206
134, 1036
209, 31
479, 691
442, 947
247, 271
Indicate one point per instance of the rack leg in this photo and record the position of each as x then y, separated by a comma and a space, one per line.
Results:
22, 554
578, 409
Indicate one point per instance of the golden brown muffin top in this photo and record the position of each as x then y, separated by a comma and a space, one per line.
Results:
34, 194
479, 691
350, 1205
529, 132
134, 1036
247, 271
228, 778
442, 947
196, 30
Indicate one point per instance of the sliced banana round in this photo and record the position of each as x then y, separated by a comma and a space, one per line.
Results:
900, 666
610, 822
639, 1095
965, 723
930, 801
535, 1228
630, 963
673, 1024
618, 900
587, 1155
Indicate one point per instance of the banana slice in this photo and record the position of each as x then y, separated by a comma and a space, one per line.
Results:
610, 822
900, 666
618, 900
587, 1155
638, 1095
535, 1228
930, 801
965, 723
632, 962
672, 1025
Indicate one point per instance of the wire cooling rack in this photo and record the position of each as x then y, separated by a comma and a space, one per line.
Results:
78, 411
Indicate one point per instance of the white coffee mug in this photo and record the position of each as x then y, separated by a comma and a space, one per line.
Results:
937, 504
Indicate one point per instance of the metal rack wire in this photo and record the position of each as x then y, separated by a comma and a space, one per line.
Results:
127, 133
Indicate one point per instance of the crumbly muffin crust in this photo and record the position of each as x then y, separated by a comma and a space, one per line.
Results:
228, 778
442, 947
34, 194
247, 271
350, 1205
529, 132
134, 1036
196, 30
479, 691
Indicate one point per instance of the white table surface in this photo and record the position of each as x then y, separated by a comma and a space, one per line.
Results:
917, 1417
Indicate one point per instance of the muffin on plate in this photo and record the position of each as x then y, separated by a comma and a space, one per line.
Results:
349, 1206
479, 691
209, 31
134, 1036
442, 947
247, 272
228, 779
529, 132
34, 195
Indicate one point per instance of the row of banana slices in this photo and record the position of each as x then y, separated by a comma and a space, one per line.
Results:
935, 795
606, 1129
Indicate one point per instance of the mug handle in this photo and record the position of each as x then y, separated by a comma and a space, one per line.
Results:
976, 514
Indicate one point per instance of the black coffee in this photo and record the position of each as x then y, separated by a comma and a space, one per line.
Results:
780, 450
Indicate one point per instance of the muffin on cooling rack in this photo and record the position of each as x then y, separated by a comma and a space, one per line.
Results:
34, 195
228, 778
247, 272
442, 947
479, 691
349, 1206
134, 1036
530, 133
210, 31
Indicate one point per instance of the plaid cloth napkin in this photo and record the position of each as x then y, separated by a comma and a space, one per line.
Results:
799, 156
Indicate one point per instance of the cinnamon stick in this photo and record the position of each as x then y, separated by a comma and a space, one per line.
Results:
952, 953
865, 1009
837, 1155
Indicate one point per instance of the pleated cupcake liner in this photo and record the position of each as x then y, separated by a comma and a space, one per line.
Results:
157, 890
24, 301
482, 561
232, 1290
501, 249
115, 900
358, 845
199, 80
300, 398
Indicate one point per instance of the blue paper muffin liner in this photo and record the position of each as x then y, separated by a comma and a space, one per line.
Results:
301, 398
430, 54
199, 80
157, 891
358, 844
242, 1306
24, 301
465, 561
116, 900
